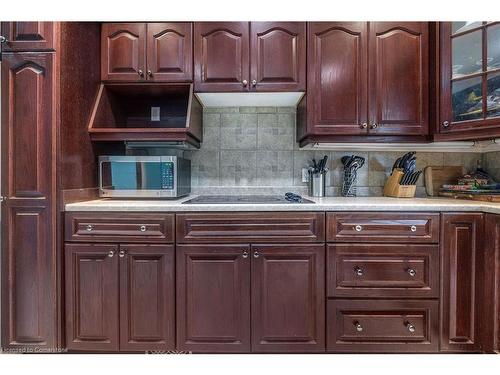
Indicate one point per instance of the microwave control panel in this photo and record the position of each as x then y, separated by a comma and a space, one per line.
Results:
167, 175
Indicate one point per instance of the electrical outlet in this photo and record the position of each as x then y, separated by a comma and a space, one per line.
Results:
155, 113
305, 175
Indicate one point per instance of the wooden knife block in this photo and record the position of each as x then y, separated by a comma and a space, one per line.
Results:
392, 187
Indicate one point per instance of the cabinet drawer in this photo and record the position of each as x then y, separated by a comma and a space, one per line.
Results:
382, 326
383, 227
380, 270
94, 227
251, 228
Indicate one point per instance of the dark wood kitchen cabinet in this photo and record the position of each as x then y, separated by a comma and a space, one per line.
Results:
123, 51
492, 283
399, 78
92, 297
243, 56
469, 91
288, 298
29, 305
462, 267
119, 297
213, 298
28, 36
278, 56
376, 89
242, 298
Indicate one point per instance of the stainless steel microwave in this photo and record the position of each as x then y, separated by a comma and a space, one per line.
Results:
144, 176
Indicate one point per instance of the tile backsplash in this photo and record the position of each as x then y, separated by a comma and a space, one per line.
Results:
252, 150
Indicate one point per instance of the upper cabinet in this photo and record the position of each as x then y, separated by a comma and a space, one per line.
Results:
146, 52
399, 78
366, 79
27, 36
256, 56
470, 80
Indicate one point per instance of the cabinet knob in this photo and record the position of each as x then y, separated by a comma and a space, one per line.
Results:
446, 124
373, 126
121, 254
256, 254
89, 227
364, 125
254, 82
150, 73
411, 272
358, 228
358, 271
410, 327
142, 228
244, 82
358, 326
245, 254
413, 228
3, 39
140, 72
111, 253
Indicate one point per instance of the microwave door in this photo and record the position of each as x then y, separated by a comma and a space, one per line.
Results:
149, 176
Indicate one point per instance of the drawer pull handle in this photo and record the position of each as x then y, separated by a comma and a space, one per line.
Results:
111, 253
358, 271
411, 327
89, 227
411, 272
413, 228
256, 254
245, 254
142, 228
359, 327
121, 254
358, 228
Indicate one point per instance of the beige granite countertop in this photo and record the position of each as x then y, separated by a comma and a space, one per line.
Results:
321, 204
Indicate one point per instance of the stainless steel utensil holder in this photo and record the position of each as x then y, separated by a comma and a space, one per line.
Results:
349, 183
317, 184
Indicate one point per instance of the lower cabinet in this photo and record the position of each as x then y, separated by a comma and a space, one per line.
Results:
119, 297
492, 283
227, 294
382, 326
462, 265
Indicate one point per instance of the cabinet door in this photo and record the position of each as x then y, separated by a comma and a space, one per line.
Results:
28, 36
278, 56
91, 291
337, 82
221, 56
147, 313
123, 51
213, 298
491, 273
288, 298
29, 306
170, 52
399, 78
470, 80
462, 286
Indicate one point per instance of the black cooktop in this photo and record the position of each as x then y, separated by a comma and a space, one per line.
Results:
243, 199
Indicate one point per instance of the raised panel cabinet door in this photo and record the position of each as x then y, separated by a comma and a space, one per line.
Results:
28, 36
170, 52
147, 298
91, 291
213, 298
221, 56
278, 56
123, 51
29, 306
462, 259
491, 273
288, 298
399, 78
337, 71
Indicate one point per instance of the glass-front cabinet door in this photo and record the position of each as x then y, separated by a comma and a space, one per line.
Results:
470, 79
